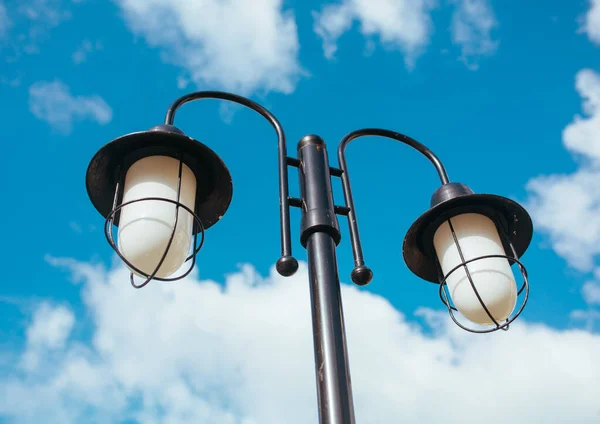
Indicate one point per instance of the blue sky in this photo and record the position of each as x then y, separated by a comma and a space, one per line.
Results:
507, 93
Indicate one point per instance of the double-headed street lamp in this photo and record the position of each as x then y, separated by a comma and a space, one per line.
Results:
163, 189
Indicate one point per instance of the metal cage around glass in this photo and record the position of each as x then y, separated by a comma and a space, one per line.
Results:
446, 298
144, 157
177, 204
467, 243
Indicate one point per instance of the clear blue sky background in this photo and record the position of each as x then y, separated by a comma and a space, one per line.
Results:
496, 124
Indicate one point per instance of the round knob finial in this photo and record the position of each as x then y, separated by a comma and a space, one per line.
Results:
287, 266
361, 275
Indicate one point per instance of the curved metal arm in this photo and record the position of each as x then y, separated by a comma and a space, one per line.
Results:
359, 261
286, 265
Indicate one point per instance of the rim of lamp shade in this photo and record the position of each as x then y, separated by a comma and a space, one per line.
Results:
214, 187
508, 215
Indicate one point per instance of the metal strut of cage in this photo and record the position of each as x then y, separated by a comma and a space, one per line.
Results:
445, 295
109, 224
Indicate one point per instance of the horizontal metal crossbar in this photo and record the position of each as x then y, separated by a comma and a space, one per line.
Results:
296, 163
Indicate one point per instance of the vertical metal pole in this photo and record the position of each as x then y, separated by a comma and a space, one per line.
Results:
320, 235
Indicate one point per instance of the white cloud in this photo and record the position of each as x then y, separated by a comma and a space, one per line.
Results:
85, 48
238, 45
406, 25
589, 316
567, 206
401, 24
331, 23
582, 136
591, 21
50, 327
591, 290
200, 352
49, 330
52, 102
472, 25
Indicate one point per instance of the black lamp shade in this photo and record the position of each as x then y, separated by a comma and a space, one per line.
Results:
510, 218
109, 166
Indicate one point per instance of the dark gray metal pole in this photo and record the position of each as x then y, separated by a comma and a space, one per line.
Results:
320, 235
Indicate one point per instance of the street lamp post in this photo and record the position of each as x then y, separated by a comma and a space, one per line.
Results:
163, 189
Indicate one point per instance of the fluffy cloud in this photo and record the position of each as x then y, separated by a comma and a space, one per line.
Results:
567, 207
52, 102
582, 136
591, 293
575, 230
401, 24
238, 45
49, 331
406, 25
472, 25
202, 352
591, 21
50, 327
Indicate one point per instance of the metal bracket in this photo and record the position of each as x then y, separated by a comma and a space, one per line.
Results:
296, 163
339, 210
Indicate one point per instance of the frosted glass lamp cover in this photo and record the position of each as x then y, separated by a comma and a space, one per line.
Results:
493, 278
145, 227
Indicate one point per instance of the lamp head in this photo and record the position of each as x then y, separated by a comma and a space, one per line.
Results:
162, 189
467, 242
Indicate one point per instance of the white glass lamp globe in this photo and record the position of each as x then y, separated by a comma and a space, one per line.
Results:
493, 278
145, 227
